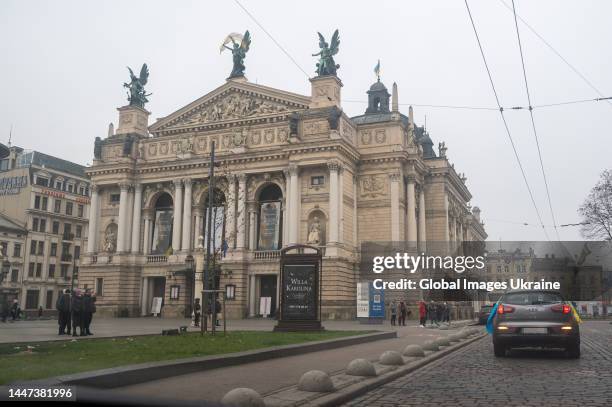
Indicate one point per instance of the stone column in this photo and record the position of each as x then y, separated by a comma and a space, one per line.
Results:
147, 234
186, 244
252, 226
395, 209
422, 221
241, 218
341, 205
446, 218
333, 201
136, 218
92, 234
178, 209
286, 208
252, 295
129, 212
294, 225
123, 211
230, 220
355, 193
412, 225
197, 230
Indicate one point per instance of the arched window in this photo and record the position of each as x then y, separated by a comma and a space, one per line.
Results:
270, 222
162, 224
217, 221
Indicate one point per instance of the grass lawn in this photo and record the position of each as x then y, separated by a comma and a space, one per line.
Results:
47, 359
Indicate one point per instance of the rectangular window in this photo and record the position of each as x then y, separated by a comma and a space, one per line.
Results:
78, 231
42, 181
44, 203
32, 299
115, 198
55, 228
38, 270
174, 292
99, 287
51, 271
58, 206
31, 270
14, 276
63, 270
68, 208
70, 188
35, 224
77, 252
80, 211
81, 190
17, 250
49, 299
43, 225
41, 248
37, 202
33, 244
58, 185
53, 251
4, 248
317, 180
68, 232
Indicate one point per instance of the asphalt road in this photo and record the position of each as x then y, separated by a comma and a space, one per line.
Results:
473, 376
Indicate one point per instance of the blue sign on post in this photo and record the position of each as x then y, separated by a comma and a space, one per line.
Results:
377, 302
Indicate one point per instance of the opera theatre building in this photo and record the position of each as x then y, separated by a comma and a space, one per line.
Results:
290, 169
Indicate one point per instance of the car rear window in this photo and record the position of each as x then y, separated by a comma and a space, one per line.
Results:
533, 298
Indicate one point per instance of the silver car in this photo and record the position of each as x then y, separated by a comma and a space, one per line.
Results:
535, 318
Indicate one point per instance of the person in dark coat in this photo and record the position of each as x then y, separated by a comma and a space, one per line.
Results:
63, 312
15, 311
76, 308
403, 310
89, 308
196, 312
393, 310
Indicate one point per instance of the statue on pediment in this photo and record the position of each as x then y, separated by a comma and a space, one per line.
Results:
137, 95
239, 49
326, 64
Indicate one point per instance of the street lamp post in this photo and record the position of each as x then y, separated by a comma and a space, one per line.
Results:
209, 235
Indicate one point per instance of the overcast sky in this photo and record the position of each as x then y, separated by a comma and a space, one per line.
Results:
63, 64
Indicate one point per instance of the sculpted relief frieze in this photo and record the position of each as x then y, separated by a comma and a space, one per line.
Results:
232, 107
372, 186
378, 136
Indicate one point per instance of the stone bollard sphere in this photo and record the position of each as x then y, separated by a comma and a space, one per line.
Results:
391, 358
413, 350
442, 341
316, 381
431, 345
242, 397
361, 367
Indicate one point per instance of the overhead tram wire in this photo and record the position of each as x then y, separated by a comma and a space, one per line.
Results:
535, 132
501, 111
572, 67
272, 38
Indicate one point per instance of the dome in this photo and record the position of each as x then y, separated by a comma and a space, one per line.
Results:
377, 86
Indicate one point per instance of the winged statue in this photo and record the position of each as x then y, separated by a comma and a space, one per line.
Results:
137, 95
240, 47
326, 64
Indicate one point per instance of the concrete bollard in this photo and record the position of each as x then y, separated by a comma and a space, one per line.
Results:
361, 367
316, 381
242, 397
456, 337
443, 328
431, 345
413, 350
391, 358
442, 341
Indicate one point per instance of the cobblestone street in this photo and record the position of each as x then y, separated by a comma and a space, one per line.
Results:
473, 376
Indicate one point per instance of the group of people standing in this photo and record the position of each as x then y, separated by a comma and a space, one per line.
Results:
197, 312
13, 310
434, 312
75, 309
399, 312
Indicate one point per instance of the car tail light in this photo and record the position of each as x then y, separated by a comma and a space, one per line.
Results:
563, 308
504, 309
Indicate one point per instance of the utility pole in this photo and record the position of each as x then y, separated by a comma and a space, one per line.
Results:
211, 194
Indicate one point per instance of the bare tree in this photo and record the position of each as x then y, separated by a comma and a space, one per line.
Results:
596, 210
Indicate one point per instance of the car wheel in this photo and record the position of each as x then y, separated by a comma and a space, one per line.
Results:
573, 350
499, 350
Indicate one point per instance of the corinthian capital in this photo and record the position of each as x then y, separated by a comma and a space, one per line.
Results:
333, 166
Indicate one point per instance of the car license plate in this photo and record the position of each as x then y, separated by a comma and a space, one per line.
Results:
531, 331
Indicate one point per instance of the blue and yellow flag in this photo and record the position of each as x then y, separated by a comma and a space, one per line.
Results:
377, 70
575, 313
490, 319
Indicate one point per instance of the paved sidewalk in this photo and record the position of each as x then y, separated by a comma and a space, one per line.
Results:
268, 376
46, 330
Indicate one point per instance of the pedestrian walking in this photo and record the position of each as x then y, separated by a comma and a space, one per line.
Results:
446, 313
76, 308
432, 311
403, 312
393, 311
196, 312
15, 310
422, 314
62, 305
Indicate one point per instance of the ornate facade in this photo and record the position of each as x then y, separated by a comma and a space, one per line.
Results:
291, 169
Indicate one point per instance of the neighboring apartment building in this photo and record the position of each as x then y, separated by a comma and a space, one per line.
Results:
12, 244
50, 197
